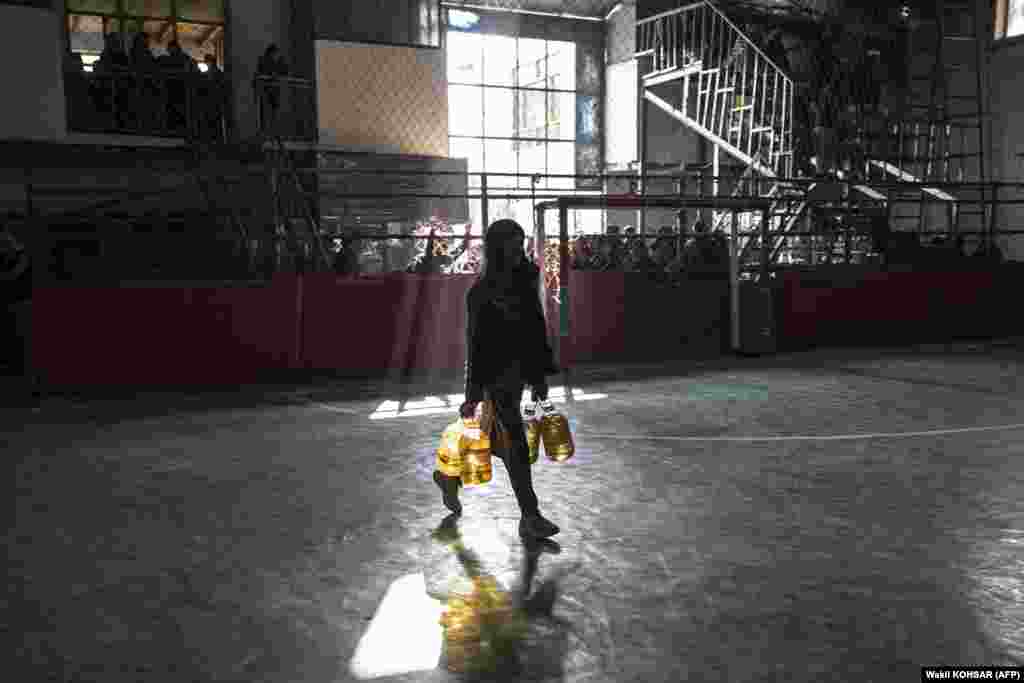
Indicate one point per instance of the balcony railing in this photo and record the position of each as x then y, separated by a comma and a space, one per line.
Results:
733, 93
155, 103
286, 107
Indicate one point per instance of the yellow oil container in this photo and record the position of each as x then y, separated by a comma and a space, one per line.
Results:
555, 434
449, 452
532, 425
476, 454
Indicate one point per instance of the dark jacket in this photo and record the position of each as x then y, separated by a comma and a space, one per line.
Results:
491, 338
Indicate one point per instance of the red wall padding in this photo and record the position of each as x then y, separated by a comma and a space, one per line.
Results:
348, 324
163, 335
597, 315
688, 318
392, 321
818, 307
368, 325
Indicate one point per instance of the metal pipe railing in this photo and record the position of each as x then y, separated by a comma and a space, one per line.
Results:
156, 102
286, 107
780, 241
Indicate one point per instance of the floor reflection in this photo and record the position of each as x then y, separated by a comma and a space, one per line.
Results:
499, 627
467, 615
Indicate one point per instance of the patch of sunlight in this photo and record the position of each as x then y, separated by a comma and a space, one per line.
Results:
405, 634
433, 405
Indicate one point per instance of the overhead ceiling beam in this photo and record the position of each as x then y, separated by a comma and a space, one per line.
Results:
210, 35
168, 28
795, 18
457, 4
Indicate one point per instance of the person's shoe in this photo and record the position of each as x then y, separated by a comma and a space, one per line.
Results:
449, 491
535, 526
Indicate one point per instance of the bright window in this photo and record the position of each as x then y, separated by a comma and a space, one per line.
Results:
511, 104
1009, 19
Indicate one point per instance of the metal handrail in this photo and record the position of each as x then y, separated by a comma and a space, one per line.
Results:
689, 8
662, 15
744, 100
780, 239
269, 91
100, 102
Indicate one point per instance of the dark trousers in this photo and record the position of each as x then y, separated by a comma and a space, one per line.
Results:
507, 400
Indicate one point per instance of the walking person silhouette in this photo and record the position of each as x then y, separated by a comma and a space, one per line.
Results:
507, 349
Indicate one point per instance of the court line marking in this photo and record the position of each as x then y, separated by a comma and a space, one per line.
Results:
808, 437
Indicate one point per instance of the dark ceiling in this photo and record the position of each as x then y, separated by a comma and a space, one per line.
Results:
581, 8
600, 8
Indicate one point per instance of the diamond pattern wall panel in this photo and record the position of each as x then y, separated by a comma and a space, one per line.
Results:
382, 98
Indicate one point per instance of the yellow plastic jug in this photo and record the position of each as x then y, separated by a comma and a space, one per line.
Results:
555, 434
449, 452
476, 454
532, 425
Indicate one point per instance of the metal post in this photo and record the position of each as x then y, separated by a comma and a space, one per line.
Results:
734, 281
847, 236
275, 188
563, 282
716, 170
30, 211
539, 244
484, 212
993, 207
641, 214
982, 83
539, 239
765, 252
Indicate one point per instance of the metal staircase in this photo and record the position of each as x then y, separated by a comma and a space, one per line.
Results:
730, 92
698, 67
726, 88
940, 137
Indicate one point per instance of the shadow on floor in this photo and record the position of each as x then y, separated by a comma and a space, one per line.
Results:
522, 637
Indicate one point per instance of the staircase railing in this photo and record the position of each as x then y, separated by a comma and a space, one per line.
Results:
733, 93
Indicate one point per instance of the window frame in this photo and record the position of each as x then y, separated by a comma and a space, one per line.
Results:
1001, 21
120, 15
519, 140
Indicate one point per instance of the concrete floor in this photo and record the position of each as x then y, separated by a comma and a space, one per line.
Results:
831, 516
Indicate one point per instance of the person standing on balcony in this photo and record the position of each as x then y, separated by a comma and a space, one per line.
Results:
213, 94
181, 71
113, 56
506, 349
269, 69
76, 87
146, 92
706, 252
109, 88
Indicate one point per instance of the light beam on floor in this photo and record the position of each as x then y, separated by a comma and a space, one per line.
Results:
434, 405
405, 634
